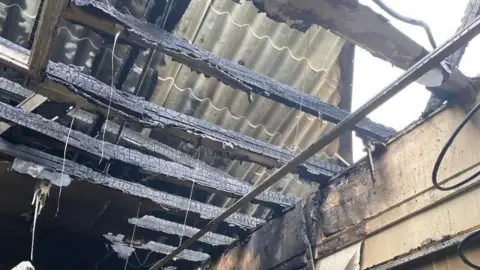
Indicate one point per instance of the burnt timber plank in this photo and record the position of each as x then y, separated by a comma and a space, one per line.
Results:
351, 20
79, 172
170, 171
230, 73
134, 139
362, 26
29, 104
129, 138
189, 128
50, 15
161, 225
178, 124
189, 255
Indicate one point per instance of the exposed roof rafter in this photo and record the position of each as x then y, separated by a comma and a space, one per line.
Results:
228, 72
165, 170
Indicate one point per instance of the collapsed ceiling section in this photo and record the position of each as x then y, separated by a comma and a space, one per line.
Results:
199, 108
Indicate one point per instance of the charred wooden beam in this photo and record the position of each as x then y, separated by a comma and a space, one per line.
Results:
178, 124
134, 139
50, 15
12, 57
13, 91
362, 26
189, 255
226, 71
165, 226
170, 202
29, 104
197, 131
351, 20
130, 138
170, 171
29, 101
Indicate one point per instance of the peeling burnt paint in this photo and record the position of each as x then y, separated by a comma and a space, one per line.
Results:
428, 247
178, 173
161, 225
169, 201
233, 74
187, 254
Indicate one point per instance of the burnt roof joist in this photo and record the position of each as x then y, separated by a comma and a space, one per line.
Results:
12, 91
189, 255
165, 170
241, 78
165, 226
366, 28
237, 145
171, 203
187, 127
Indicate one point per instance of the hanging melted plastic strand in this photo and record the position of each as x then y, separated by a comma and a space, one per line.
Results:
211, 104
207, 99
26, 14
189, 89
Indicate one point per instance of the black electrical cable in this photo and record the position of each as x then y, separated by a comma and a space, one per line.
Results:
408, 20
444, 151
463, 182
461, 247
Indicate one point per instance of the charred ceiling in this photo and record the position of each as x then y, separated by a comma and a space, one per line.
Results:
81, 92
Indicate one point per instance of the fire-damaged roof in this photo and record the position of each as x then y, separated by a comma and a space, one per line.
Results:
212, 130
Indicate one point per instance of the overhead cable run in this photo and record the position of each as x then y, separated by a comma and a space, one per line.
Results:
416, 71
408, 20
437, 185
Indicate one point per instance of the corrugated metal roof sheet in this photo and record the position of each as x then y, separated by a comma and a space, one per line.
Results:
234, 31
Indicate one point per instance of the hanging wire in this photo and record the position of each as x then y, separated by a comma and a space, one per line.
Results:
436, 167
133, 236
461, 248
408, 20
111, 93
444, 151
63, 165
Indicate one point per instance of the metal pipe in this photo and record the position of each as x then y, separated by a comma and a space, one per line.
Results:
412, 74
